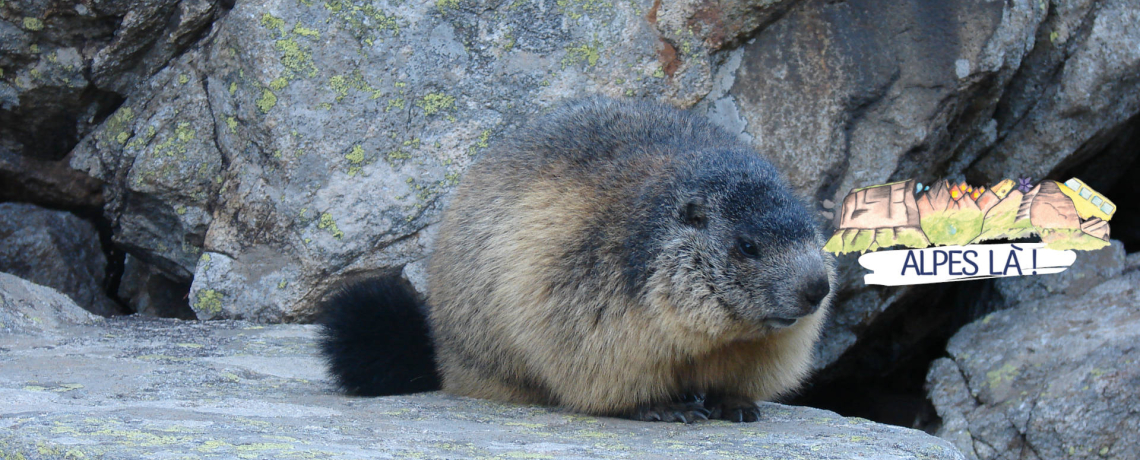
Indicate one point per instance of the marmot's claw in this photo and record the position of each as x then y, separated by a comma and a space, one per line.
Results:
684, 412
733, 409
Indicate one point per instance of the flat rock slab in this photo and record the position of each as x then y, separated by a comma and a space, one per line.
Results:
146, 388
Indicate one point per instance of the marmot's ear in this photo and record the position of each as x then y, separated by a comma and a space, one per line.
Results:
693, 212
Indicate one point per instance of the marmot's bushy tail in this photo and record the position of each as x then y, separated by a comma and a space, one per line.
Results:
376, 340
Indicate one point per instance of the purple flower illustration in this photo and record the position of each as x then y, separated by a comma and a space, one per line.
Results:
1025, 184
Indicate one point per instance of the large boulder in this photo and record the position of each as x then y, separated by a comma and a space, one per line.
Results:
58, 250
67, 63
305, 143
132, 386
27, 308
1053, 378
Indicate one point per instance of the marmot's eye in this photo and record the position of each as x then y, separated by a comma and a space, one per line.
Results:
747, 247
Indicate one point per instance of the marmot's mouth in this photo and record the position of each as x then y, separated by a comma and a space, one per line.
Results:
779, 323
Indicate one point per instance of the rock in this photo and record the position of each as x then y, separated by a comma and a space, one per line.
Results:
46, 183
159, 158
1002, 220
844, 95
31, 309
1053, 378
987, 200
280, 158
1077, 84
222, 389
889, 205
1089, 270
1096, 227
68, 63
716, 23
55, 249
147, 291
1049, 208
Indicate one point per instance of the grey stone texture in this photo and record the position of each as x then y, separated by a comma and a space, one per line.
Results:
55, 249
65, 62
1053, 378
133, 387
27, 308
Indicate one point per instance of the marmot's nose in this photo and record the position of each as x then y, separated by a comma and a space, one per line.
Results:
812, 293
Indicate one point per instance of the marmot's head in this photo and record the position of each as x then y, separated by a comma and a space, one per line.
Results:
739, 253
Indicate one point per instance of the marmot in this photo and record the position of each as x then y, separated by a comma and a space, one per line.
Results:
614, 258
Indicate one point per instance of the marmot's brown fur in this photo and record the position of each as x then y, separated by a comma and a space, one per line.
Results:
621, 259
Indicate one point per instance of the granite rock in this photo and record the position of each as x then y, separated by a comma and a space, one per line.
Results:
58, 250
1053, 378
132, 386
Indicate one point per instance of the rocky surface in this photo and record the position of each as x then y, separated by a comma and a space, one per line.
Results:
67, 63
280, 156
131, 386
32, 309
1053, 378
48, 183
56, 249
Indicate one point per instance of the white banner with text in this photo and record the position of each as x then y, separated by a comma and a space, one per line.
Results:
958, 263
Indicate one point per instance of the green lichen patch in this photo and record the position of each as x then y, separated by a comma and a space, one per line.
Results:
209, 301
177, 142
267, 101
1006, 373
588, 53
306, 32
444, 5
394, 104
356, 156
576, 9
278, 84
33, 24
481, 143
397, 155
433, 103
118, 125
272, 22
298, 61
364, 20
326, 222
341, 84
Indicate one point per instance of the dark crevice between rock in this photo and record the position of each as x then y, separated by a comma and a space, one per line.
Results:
115, 256
48, 128
1110, 163
882, 376
114, 269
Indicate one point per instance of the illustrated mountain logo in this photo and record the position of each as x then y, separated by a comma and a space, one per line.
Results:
942, 226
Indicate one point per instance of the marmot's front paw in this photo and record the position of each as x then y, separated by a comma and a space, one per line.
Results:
732, 408
688, 409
